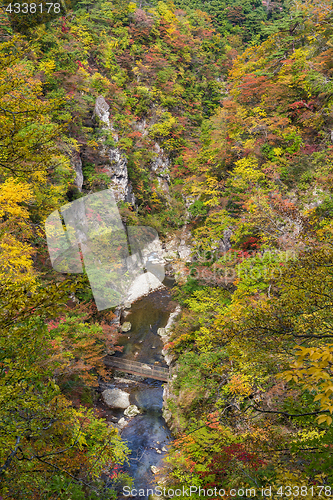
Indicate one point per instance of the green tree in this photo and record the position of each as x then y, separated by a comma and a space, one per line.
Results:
45, 441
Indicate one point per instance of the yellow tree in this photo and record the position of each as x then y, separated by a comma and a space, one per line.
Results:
16, 263
29, 135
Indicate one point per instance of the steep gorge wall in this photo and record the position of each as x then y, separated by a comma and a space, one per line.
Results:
114, 160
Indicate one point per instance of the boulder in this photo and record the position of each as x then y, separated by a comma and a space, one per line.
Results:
122, 380
132, 411
125, 327
154, 469
122, 423
162, 332
116, 398
168, 358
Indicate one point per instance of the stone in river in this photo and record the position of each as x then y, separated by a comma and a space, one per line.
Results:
122, 423
116, 398
154, 469
132, 411
125, 327
123, 380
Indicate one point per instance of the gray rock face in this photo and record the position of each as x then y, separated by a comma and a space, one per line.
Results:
117, 170
225, 244
77, 165
102, 110
168, 358
179, 247
116, 166
116, 398
122, 380
185, 248
172, 319
184, 252
161, 167
168, 396
165, 335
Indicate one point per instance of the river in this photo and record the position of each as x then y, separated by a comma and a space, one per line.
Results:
147, 434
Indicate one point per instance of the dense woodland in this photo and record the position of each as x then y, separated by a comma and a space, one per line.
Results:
239, 95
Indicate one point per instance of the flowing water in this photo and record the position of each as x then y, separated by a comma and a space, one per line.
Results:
147, 435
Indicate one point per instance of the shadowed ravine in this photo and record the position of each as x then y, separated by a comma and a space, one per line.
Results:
147, 434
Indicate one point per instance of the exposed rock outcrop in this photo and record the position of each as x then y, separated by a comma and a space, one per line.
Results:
102, 111
178, 246
116, 165
161, 168
76, 163
169, 358
177, 251
168, 396
225, 243
164, 333
117, 171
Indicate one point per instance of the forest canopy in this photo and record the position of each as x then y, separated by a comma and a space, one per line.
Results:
220, 115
